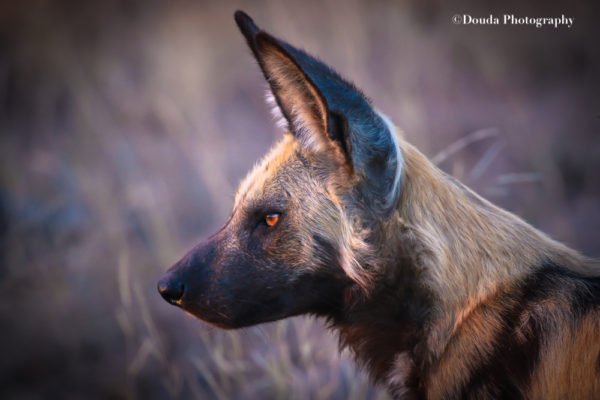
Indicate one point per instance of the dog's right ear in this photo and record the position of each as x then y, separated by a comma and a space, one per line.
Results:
326, 112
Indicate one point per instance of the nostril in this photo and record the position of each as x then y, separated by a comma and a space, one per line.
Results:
170, 290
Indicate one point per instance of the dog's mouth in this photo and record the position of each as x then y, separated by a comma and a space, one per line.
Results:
209, 320
230, 315
176, 303
211, 316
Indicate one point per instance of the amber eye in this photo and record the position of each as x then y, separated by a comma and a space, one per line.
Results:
271, 219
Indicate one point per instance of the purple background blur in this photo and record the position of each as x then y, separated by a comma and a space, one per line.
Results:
126, 126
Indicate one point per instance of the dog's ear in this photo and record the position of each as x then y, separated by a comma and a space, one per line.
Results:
294, 95
326, 112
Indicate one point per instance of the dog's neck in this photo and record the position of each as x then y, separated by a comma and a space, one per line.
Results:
453, 229
440, 229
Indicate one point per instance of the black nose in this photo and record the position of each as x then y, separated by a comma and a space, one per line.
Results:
170, 289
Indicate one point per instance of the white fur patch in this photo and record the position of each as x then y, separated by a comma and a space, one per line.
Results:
398, 376
280, 120
306, 135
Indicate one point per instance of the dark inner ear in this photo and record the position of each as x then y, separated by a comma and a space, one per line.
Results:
339, 133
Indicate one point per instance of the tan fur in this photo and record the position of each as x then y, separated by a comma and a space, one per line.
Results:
469, 246
471, 341
569, 366
439, 293
329, 218
255, 180
469, 251
474, 244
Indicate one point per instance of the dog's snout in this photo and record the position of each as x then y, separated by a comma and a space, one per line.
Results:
186, 281
170, 288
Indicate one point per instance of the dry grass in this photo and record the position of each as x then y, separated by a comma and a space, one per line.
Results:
127, 125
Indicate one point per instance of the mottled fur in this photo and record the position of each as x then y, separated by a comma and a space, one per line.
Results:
438, 293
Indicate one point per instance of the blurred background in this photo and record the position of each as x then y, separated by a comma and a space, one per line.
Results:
126, 125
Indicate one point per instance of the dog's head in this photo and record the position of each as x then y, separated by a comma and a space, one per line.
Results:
297, 239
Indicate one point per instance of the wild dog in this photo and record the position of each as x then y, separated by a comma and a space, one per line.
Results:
439, 293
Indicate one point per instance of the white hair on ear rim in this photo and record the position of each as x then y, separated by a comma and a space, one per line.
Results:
307, 133
280, 120
394, 192
304, 132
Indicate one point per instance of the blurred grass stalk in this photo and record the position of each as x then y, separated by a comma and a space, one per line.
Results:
126, 126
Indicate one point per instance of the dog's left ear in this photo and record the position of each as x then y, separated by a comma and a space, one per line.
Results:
325, 112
